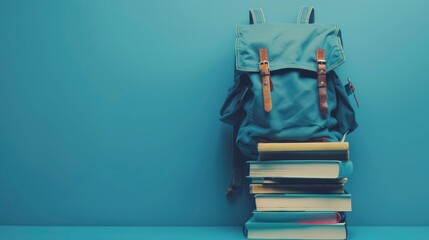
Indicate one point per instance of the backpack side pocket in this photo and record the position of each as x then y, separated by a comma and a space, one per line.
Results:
232, 109
344, 113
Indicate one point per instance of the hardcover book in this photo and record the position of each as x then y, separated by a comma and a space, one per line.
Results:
279, 230
330, 169
296, 188
299, 217
313, 150
304, 202
298, 181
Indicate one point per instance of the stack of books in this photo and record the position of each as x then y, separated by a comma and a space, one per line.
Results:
299, 191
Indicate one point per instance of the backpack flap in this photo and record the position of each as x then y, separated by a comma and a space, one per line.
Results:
300, 110
288, 45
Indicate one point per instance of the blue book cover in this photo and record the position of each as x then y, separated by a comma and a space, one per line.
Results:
299, 217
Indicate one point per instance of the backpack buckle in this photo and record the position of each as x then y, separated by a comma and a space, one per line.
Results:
321, 61
264, 62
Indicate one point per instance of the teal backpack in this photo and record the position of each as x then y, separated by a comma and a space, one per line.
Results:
285, 87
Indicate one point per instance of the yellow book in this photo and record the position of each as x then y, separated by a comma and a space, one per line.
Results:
307, 150
307, 146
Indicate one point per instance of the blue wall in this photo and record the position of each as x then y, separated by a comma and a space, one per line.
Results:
109, 110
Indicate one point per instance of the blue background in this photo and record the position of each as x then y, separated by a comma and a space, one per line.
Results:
109, 110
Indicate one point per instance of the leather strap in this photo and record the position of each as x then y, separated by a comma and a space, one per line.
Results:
321, 81
267, 86
237, 167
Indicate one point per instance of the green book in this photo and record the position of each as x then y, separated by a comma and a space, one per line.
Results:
299, 217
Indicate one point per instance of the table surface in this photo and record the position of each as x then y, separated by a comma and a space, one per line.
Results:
200, 233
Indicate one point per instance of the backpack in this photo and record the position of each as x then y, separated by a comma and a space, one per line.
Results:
285, 88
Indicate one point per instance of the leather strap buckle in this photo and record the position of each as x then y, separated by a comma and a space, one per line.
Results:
264, 62
264, 70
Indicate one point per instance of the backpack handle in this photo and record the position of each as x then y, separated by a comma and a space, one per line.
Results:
306, 15
256, 16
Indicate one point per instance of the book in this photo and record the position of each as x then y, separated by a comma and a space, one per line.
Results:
296, 188
299, 217
304, 202
325, 169
303, 146
256, 180
280, 230
312, 150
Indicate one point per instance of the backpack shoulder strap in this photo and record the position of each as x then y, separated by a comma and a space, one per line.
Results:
256, 16
306, 15
237, 167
